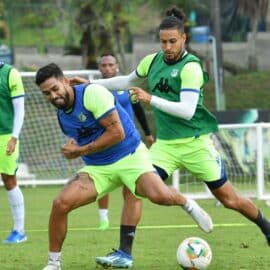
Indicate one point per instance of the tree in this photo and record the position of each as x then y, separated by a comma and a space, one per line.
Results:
106, 33
254, 10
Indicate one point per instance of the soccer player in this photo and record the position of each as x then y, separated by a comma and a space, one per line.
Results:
11, 122
109, 67
184, 125
102, 134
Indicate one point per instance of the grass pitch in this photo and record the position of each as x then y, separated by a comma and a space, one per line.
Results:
236, 243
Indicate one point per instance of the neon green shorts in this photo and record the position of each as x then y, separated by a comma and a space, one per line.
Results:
196, 155
125, 171
8, 164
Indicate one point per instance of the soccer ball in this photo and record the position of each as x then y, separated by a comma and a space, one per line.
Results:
194, 253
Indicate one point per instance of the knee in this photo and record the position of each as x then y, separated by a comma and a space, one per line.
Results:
60, 205
230, 203
9, 181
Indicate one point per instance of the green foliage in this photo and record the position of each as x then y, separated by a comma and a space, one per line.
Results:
186, 5
43, 17
234, 247
3, 30
244, 91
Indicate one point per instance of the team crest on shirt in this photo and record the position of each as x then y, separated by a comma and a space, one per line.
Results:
174, 73
120, 92
82, 117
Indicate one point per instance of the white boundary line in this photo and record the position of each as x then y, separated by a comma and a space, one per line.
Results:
144, 227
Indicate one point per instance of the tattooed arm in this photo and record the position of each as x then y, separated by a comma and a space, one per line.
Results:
113, 134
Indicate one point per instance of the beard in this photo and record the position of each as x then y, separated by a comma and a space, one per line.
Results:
61, 103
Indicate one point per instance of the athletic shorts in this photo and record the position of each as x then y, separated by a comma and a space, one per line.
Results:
125, 171
8, 163
196, 154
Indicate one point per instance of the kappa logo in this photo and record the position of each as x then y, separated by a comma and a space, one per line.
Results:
131, 234
162, 86
82, 117
174, 73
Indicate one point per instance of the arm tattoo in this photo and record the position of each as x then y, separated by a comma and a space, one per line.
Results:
111, 120
113, 123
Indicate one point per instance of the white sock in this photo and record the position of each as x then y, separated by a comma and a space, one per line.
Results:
103, 214
54, 258
188, 205
16, 203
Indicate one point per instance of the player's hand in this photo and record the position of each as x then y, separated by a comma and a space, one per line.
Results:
71, 149
149, 140
11, 146
77, 80
140, 95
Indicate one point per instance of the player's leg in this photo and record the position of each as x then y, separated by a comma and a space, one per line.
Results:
151, 186
131, 214
230, 199
8, 167
130, 218
16, 203
103, 212
167, 157
77, 192
211, 168
154, 188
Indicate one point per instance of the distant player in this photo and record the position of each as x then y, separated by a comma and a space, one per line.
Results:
11, 122
102, 134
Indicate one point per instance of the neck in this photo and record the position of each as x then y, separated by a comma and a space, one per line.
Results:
71, 96
179, 56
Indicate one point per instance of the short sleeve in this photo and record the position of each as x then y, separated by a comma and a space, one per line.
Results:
15, 83
143, 67
192, 76
98, 100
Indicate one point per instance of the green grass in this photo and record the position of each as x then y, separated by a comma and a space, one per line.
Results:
234, 247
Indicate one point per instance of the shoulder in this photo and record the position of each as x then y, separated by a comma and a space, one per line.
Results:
14, 73
145, 63
149, 57
96, 93
192, 67
192, 57
96, 90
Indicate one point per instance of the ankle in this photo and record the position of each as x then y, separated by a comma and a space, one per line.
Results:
188, 205
54, 258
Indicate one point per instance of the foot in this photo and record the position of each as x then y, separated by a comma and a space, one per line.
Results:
15, 238
52, 267
116, 259
199, 216
104, 225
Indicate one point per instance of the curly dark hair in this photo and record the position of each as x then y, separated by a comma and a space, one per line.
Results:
175, 18
48, 71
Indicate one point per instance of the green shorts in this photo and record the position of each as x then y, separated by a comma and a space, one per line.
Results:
196, 155
125, 171
8, 164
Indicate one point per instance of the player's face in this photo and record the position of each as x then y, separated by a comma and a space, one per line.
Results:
108, 66
172, 43
58, 92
